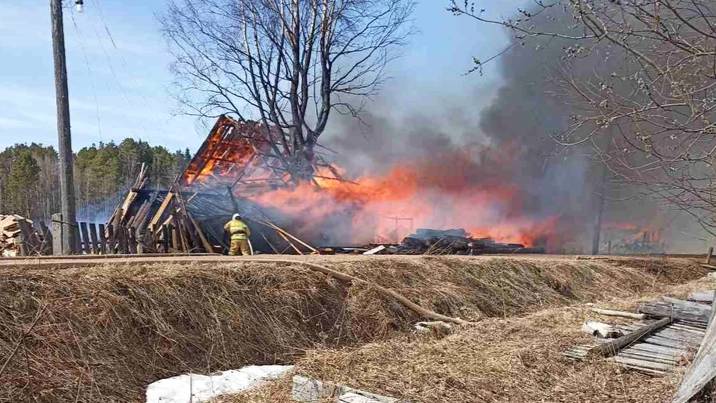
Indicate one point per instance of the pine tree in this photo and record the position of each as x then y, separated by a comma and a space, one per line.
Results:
22, 184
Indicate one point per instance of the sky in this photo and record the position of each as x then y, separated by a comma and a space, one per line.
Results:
120, 83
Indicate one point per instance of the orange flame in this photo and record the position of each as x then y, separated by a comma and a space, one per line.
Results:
388, 208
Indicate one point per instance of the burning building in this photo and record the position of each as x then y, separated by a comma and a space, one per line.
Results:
237, 169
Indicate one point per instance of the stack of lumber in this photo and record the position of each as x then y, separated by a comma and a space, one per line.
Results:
18, 237
10, 235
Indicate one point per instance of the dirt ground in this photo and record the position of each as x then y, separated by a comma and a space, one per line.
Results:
83, 331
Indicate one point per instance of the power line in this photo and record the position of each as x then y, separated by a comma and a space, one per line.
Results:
90, 73
112, 69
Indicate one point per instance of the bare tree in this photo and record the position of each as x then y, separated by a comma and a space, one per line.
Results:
285, 63
648, 104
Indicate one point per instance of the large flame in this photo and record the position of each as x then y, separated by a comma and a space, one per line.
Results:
469, 187
388, 207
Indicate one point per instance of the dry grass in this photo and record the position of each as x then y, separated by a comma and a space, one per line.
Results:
497, 360
109, 331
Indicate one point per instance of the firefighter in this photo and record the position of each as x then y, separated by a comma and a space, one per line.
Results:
239, 233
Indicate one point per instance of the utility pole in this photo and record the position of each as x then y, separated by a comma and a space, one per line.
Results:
67, 191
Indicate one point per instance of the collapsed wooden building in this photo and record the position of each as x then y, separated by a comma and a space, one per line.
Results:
238, 160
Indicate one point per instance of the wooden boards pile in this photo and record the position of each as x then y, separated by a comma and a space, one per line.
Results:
687, 311
18, 237
676, 329
662, 351
9, 234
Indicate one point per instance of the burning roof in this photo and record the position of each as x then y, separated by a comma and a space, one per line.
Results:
244, 157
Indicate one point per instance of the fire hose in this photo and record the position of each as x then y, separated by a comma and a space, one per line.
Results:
426, 313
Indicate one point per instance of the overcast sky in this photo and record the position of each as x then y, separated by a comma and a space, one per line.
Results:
118, 67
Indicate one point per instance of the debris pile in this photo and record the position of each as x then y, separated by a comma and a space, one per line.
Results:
18, 237
663, 337
9, 234
426, 241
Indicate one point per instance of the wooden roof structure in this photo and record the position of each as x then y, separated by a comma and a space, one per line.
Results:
236, 161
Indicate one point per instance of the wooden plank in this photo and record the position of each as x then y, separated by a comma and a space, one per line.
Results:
298, 251
183, 233
650, 371
642, 353
132, 240
85, 239
121, 234
102, 239
676, 334
608, 312
709, 254
375, 250
22, 247
94, 238
690, 304
165, 236
46, 246
160, 211
612, 347
703, 368
676, 311
111, 238
692, 330
662, 341
706, 297
649, 358
642, 363
175, 235
648, 347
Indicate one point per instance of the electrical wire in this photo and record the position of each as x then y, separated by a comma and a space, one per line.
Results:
90, 73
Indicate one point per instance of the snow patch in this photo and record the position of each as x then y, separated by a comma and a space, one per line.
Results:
193, 388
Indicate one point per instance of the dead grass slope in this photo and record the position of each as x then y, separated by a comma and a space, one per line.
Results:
516, 359
106, 332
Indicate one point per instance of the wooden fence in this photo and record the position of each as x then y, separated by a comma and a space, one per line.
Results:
101, 239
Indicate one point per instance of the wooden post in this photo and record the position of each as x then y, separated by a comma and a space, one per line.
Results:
47, 240
121, 234
93, 238
22, 244
57, 229
111, 239
132, 240
166, 240
102, 240
67, 190
85, 239
176, 238
708, 256
27, 238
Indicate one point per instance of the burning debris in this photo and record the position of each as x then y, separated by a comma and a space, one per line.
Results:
427, 241
237, 169
455, 242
